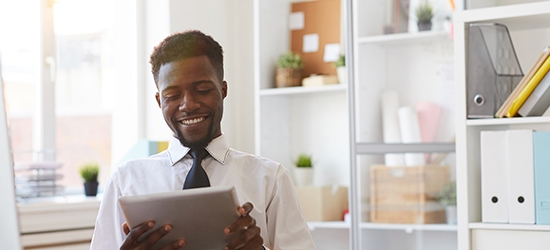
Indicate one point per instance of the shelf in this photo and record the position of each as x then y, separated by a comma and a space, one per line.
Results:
480, 225
409, 228
404, 38
384, 148
303, 90
515, 17
508, 121
328, 225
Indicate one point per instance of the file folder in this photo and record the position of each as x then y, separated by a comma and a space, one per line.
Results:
492, 69
494, 177
541, 149
521, 192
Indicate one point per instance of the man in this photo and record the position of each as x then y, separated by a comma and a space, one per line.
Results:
188, 71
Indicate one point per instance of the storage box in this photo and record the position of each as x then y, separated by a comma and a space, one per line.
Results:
326, 203
319, 80
407, 194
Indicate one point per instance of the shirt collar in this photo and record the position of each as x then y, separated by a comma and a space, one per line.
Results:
217, 148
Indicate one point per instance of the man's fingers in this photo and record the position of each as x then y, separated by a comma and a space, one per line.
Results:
176, 245
241, 223
156, 235
135, 233
246, 208
125, 228
248, 239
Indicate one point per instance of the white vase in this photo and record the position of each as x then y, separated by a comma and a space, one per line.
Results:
303, 176
450, 212
342, 74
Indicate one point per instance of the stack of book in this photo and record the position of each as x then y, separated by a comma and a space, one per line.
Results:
531, 97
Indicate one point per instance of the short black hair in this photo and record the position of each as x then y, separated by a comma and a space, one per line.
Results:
185, 45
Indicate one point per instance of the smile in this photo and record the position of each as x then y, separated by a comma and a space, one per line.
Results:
192, 121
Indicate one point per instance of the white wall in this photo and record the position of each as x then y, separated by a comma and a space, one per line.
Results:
230, 22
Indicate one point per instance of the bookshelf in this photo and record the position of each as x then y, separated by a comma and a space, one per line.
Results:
419, 67
529, 26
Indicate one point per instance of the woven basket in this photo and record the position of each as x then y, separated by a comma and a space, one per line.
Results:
288, 77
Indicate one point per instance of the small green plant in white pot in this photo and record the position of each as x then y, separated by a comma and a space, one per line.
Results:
303, 172
447, 198
341, 70
89, 173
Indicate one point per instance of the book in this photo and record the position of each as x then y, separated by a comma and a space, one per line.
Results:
504, 108
538, 101
528, 89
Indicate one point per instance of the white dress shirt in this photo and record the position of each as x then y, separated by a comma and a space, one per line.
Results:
263, 182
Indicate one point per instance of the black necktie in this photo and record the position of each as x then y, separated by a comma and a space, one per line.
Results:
197, 176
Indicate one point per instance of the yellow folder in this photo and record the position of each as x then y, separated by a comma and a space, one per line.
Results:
525, 92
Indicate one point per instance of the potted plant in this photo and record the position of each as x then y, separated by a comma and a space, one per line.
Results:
341, 70
424, 14
289, 70
447, 197
303, 172
89, 172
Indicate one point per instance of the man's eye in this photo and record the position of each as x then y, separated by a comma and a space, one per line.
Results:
203, 91
171, 97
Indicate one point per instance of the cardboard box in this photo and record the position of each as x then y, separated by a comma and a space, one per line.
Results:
326, 203
319, 80
407, 194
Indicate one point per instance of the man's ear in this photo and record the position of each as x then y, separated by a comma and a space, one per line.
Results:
157, 96
224, 89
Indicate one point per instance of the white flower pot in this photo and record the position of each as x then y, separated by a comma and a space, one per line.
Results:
342, 74
303, 176
450, 212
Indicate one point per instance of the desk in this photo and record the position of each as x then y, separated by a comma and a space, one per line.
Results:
58, 222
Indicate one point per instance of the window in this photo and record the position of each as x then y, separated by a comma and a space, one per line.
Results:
79, 105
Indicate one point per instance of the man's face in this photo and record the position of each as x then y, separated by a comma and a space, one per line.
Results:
191, 98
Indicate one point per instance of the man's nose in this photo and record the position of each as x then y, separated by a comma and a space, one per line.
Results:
189, 103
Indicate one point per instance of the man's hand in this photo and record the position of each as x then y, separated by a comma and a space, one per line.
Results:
248, 233
133, 235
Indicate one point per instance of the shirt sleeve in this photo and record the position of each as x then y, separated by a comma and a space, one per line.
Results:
108, 232
286, 223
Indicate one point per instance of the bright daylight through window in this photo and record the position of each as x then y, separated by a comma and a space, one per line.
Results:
82, 74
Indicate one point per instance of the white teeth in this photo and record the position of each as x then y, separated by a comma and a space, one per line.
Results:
192, 121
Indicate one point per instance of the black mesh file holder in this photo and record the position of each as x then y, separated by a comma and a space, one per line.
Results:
492, 69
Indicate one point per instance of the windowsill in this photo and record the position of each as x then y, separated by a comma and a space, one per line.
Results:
48, 214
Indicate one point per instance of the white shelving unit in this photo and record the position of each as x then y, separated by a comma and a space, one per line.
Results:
289, 121
419, 67
529, 26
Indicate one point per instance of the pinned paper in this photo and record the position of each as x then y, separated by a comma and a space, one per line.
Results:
311, 43
297, 21
332, 52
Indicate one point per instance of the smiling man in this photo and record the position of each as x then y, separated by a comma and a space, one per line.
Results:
188, 71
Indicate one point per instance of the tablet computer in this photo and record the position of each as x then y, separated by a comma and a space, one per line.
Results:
199, 216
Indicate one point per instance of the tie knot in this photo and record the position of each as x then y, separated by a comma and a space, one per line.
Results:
198, 154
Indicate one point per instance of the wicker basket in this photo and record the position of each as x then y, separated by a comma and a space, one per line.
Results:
288, 77
407, 194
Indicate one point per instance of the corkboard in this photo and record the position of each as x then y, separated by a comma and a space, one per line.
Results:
321, 17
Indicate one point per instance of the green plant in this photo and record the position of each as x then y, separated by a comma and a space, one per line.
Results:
304, 161
424, 12
290, 60
89, 171
447, 194
341, 62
